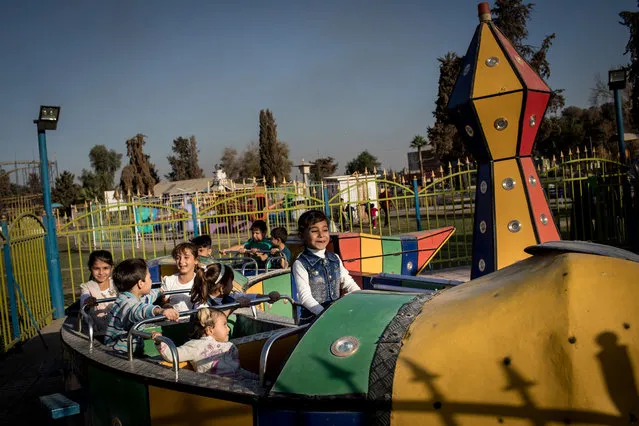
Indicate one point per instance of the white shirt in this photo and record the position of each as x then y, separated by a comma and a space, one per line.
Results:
181, 302
304, 296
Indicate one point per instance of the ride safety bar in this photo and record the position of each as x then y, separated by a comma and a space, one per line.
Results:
169, 343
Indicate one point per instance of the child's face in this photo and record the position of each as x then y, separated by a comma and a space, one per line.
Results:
257, 234
101, 271
276, 241
204, 251
317, 236
185, 262
220, 331
145, 286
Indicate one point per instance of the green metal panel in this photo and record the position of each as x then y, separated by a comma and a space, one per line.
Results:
114, 397
176, 332
392, 264
313, 370
282, 284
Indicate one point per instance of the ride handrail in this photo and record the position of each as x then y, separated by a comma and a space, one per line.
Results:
273, 257
269, 343
169, 343
136, 326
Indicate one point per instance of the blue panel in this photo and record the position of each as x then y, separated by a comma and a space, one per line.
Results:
474, 139
484, 243
463, 85
154, 271
409, 255
268, 417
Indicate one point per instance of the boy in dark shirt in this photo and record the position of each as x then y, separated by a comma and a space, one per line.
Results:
279, 236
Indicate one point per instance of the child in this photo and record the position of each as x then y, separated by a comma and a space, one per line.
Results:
100, 286
279, 236
319, 274
374, 212
203, 244
135, 303
211, 352
258, 242
185, 255
212, 285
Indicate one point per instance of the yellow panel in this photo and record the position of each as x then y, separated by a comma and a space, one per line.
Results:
501, 143
372, 247
256, 289
511, 205
169, 407
493, 80
550, 338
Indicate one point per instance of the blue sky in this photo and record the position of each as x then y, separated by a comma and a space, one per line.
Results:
340, 76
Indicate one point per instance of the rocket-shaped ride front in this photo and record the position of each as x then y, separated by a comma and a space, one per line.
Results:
498, 103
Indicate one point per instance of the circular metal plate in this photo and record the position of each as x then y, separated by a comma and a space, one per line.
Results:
508, 184
345, 346
482, 226
514, 226
469, 131
482, 265
483, 187
501, 123
492, 61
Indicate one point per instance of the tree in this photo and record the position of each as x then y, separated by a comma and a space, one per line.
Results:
365, 161
323, 167
5, 184
274, 162
105, 163
229, 162
138, 175
511, 17
418, 143
631, 21
66, 191
241, 166
184, 165
34, 185
443, 135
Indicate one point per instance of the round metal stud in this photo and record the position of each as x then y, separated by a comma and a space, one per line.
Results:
409, 266
469, 131
532, 180
501, 123
508, 184
482, 265
482, 226
483, 187
514, 226
518, 59
466, 70
543, 219
345, 346
533, 120
492, 61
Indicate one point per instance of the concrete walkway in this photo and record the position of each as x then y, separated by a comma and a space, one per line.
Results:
28, 372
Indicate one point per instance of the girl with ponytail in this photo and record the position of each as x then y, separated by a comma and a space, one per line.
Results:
212, 285
210, 351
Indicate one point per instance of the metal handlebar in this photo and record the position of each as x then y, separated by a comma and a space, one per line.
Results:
269, 343
169, 343
273, 257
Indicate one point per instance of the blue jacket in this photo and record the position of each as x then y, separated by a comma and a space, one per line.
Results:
323, 275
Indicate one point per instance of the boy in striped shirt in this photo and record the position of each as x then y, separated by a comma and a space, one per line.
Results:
134, 303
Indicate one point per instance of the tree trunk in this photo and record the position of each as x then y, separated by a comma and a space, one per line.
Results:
421, 164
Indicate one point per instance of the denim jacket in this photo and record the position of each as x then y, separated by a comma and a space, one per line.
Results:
323, 275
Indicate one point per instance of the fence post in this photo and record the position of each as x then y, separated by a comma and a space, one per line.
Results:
418, 213
13, 307
327, 208
196, 230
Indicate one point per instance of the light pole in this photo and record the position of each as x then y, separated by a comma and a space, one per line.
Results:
305, 170
617, 82
48, 120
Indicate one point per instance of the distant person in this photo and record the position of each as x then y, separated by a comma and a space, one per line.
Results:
257, 247
279, 236
319, 274
204, 251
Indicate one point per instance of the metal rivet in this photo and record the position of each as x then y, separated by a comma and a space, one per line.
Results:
492, 61
466, 70
501, 123
409, 266
533, 120
482, 226
518, 59
483, 187
544, 219
514, 226
345, 346
469, 131
508, 184
481, 265
532, 180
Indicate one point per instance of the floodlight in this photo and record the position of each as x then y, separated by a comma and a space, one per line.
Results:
617, 79
48, 117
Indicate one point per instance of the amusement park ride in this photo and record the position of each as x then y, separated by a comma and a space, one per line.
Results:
544, 333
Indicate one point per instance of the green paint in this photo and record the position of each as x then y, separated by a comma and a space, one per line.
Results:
281, 284
176, 332
392, 264
112, 396
239, 278
313, 370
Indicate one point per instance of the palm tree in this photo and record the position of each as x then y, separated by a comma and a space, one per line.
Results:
418, 142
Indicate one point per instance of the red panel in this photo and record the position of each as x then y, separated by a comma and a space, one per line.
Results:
429, 242
350, 248
535, 105
530, 77
539, 204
